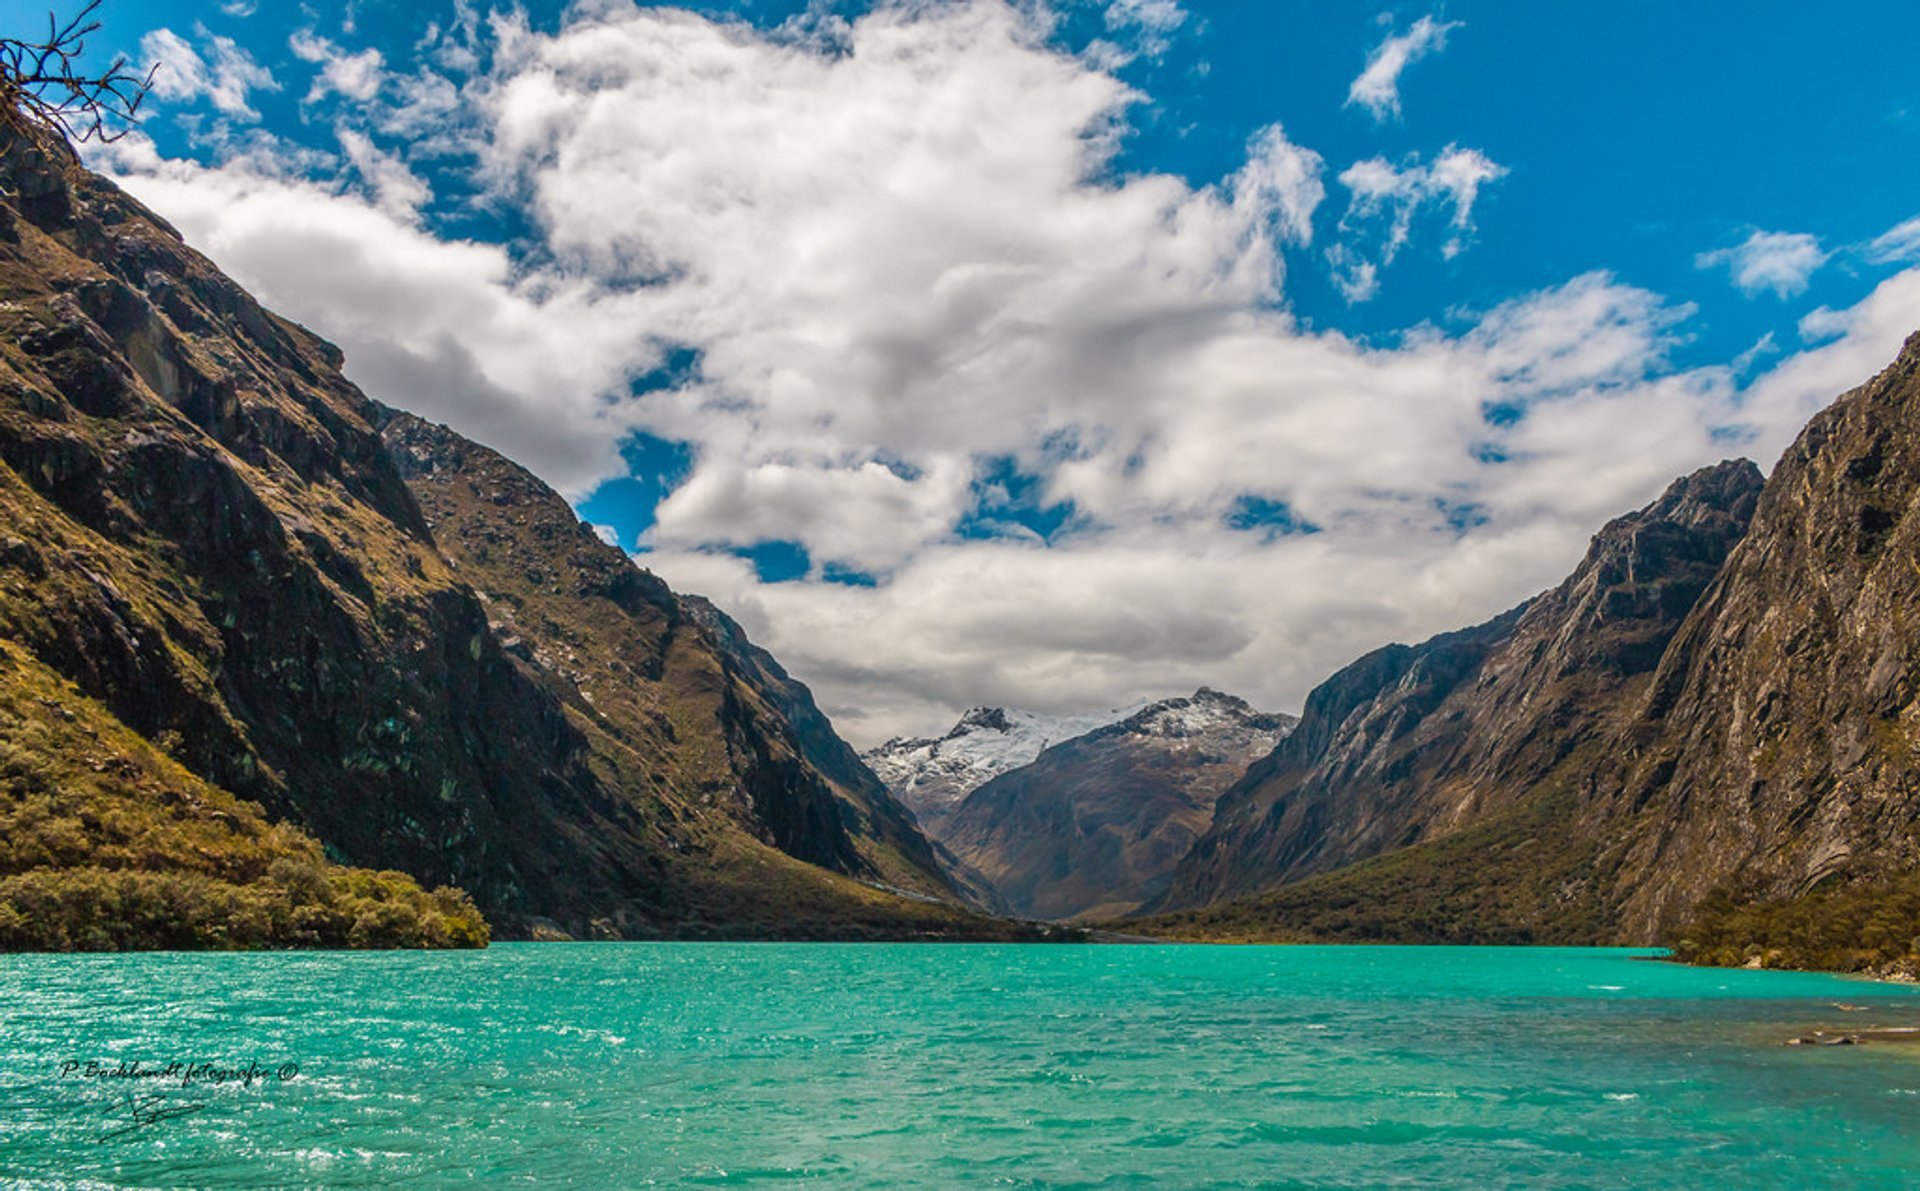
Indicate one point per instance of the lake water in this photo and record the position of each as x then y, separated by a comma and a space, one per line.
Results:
622, 1064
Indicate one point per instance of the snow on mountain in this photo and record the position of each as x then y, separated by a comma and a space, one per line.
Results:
931, 776
1205, 714
1094, 825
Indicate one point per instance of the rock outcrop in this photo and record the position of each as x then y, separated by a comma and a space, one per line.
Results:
1779, 744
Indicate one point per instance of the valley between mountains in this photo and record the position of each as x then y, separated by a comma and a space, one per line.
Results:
281, 666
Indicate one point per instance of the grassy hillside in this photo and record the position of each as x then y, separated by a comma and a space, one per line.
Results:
108, 844
1517, 879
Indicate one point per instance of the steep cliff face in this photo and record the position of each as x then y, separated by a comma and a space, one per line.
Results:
1411, 744
1780, 742
208, 534
675, 700
1095, 824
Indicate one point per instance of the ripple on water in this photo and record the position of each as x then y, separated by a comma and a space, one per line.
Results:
905, 1065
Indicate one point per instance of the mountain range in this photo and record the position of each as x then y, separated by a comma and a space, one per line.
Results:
283, 666
1095, 824
932, 776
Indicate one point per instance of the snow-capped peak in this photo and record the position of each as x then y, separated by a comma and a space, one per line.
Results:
931, 775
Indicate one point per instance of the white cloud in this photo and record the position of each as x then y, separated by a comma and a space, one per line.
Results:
907, 267
1898, 243
185, 75
354, 76
448, 329
1763, 347
1777, 261
1378, 86
1150, 22
1823, 322
395, 188
1384, 198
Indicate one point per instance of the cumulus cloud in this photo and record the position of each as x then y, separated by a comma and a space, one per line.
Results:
916, 312
1383, 199
1378, 86
354, 76
1777, 261
224, 76
394, 187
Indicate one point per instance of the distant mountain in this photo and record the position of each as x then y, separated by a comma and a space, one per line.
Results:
1094, 825
1719, 709
267, 590
931, 775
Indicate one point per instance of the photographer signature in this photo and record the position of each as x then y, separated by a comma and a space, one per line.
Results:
143, 1111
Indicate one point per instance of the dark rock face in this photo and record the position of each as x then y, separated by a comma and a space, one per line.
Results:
1095, 824
212, 532
1410, 744
1779, 743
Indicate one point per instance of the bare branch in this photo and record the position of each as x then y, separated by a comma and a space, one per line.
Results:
43, 79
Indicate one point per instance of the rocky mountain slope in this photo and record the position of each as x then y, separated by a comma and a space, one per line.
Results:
1666, 732
1779, 744
931, 775
377, 632
1094, 825
1410, 743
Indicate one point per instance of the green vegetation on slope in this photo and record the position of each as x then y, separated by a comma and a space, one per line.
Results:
1522, 878
1858, 926
107, 844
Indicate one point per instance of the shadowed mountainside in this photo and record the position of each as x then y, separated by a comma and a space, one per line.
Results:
208, 534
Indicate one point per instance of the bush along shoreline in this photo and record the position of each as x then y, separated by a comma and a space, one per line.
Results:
1867, 926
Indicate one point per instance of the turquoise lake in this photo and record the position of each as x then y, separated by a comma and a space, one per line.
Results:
937, 1065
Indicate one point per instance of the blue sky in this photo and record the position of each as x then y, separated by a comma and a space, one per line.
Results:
1634, 142
1067, 355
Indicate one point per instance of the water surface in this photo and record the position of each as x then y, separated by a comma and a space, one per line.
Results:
883, 1065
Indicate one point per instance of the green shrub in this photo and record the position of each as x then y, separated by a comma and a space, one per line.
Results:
1844, 926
